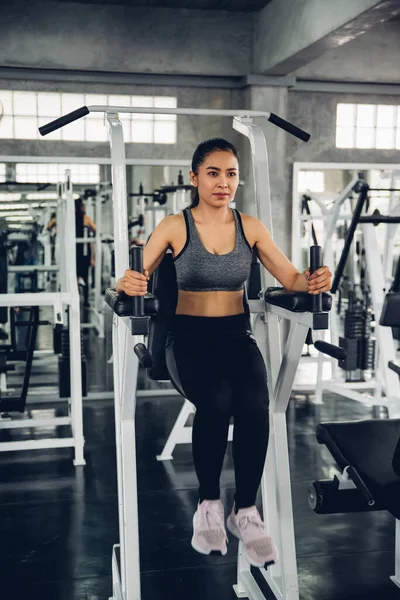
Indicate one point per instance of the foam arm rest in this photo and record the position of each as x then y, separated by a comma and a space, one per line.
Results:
295, 301
122, 304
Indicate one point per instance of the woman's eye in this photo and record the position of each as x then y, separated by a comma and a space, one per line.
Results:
212, 173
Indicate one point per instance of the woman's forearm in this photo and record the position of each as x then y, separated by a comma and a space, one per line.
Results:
299, 283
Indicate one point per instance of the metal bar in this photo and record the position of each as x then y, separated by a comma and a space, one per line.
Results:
302, 318
118, 332
150, 162
396, 577
125, 367
287, 371
130, 559
37, 444
349, 238
261, 179
98, 262
32, 268
121, 243
30, 423
378, 219
74, 323
179, 111
37, 299
250, 587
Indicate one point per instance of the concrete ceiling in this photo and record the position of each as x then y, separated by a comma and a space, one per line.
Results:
228, 5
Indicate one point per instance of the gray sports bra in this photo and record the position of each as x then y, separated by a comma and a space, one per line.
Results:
198, 270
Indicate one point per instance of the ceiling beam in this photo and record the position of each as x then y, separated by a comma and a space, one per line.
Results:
290, 34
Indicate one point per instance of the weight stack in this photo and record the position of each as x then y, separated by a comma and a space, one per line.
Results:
367, 356
64, 368
352, 348
358, 343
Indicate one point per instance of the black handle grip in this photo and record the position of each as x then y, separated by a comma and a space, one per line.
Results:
316, 263
144, 356
137, 265
69, 118
394, 367
331, 350
289, 127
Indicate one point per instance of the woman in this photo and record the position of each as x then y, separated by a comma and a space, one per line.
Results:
84, 252
210, 348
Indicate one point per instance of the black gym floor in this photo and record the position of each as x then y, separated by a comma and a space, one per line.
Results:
58, 523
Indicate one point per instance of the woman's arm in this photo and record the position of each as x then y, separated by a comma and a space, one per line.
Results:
153, 254
282, 269
51, 223
88, 222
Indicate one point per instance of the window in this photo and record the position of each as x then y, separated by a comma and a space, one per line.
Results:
311, 181
13, 207
9, 197
368, 126
22, 113
2, 172
55, 172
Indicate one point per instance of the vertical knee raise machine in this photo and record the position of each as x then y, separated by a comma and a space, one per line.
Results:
142, 316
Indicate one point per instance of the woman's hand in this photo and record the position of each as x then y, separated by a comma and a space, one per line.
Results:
133, 283
320, 281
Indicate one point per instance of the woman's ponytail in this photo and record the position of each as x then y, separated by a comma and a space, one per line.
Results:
195, 197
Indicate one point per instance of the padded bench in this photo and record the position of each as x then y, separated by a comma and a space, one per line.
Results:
372, 450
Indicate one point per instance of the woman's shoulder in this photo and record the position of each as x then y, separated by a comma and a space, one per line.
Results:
248, 220
175, 221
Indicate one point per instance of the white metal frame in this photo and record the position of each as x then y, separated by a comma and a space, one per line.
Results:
67, 297
371, 392
140, 162
96, 311
181, 433
385, 380
282, 578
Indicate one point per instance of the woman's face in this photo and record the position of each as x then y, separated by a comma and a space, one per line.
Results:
217, 179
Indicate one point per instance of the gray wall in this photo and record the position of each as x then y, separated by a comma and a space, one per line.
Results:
98, 37
316, 113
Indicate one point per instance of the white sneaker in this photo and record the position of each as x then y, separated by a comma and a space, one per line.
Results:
248, 527
209, 532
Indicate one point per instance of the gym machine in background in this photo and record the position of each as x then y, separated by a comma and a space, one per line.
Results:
65, 304
148, 209
365, 305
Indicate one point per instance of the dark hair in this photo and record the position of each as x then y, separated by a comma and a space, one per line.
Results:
79, 210
79, 204
202, 151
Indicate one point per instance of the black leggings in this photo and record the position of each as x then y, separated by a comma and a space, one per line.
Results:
216, 362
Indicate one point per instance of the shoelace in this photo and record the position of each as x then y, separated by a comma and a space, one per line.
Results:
247, 520
212, 518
